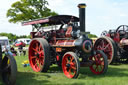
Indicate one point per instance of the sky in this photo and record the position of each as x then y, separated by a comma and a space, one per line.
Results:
100, 14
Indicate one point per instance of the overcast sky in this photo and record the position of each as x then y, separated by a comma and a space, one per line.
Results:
100, 14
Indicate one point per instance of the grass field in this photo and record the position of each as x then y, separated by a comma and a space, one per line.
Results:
116, 75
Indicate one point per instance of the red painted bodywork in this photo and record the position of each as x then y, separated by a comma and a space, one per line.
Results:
65, 43
116, 37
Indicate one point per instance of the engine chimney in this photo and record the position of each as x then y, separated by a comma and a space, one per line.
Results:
82, 16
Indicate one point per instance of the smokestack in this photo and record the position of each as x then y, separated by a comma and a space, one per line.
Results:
82, 17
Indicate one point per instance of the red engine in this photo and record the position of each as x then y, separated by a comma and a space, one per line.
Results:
116, 41
63, 42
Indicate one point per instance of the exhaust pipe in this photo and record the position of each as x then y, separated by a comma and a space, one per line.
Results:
82, 17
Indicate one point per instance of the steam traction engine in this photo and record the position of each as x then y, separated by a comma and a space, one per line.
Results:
66, 45
114, 43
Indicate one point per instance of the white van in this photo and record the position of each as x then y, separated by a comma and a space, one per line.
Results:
4, 41
25, 40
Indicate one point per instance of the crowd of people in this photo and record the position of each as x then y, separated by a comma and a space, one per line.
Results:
20, 51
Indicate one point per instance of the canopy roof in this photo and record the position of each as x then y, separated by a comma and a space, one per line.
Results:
53, 20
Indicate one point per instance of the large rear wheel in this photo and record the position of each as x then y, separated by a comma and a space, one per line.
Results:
70, 65
100, 64
108, 46
39, 55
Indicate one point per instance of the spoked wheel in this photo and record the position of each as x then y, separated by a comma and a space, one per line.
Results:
108, 46
39, 55
70, 65
100, 64
9, 69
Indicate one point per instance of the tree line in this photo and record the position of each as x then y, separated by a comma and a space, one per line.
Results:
13, 37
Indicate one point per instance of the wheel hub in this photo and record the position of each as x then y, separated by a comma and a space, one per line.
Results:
37, 55
68, 65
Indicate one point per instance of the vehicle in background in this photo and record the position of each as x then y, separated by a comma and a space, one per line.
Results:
25, 40
4, 41
18, 43
114, 43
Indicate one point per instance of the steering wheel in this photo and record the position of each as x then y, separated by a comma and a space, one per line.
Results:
122, 28
104, 33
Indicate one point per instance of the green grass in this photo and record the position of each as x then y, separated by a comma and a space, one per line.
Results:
116, 75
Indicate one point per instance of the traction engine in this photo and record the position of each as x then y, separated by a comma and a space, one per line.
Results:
66, 44
115, 44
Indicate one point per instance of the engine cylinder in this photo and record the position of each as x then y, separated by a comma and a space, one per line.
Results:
87, 46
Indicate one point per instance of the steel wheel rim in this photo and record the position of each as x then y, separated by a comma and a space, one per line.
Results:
98, 66
36, 55
69, 66
106, 47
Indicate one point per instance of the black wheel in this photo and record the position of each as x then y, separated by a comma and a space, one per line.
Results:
70, 65
108, 46
39, 55
100, 65
9, 68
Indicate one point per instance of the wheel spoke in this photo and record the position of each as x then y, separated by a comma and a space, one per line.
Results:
98, 70
102, 44
107, 46
33, 57
36, 66
37, 48
71, 63
34, 49
41, 61
41, 53
37, 63
66, 60
96, 67
74, 68
102, 62
71, 59
69, 71
96, 59
101, 67
40, 48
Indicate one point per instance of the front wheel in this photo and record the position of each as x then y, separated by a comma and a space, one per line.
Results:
70, 65
100, 64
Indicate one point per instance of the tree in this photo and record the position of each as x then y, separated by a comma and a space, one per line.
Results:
13, 37
92, 36
25, 10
